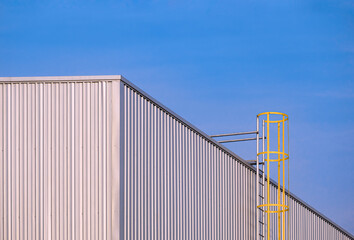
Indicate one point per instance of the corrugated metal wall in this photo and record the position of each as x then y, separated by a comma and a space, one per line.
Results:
55, 150
178, 184
307, 224
304, 223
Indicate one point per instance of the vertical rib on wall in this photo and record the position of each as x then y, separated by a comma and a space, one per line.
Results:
178, 185
54, 139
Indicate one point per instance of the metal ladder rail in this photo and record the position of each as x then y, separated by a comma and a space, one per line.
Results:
260, 192
262, 199
263, 178
260, 219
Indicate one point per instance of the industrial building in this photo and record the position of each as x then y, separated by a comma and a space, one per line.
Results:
95, 157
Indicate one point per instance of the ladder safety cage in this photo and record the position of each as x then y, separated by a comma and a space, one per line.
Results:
266, 205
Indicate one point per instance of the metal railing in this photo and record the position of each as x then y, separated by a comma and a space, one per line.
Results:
236, 134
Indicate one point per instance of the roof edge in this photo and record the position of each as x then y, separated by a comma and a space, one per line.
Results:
61, 79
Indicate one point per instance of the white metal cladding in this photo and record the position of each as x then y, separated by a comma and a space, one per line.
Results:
305, 223
55, 151
180, 184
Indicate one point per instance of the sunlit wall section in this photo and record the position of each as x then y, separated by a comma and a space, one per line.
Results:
55, 150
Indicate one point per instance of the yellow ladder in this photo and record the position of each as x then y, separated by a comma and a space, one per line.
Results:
264, 159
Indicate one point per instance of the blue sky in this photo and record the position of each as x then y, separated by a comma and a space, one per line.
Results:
217, 64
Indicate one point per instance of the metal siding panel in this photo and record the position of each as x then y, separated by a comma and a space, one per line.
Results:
43, 160
2, 162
